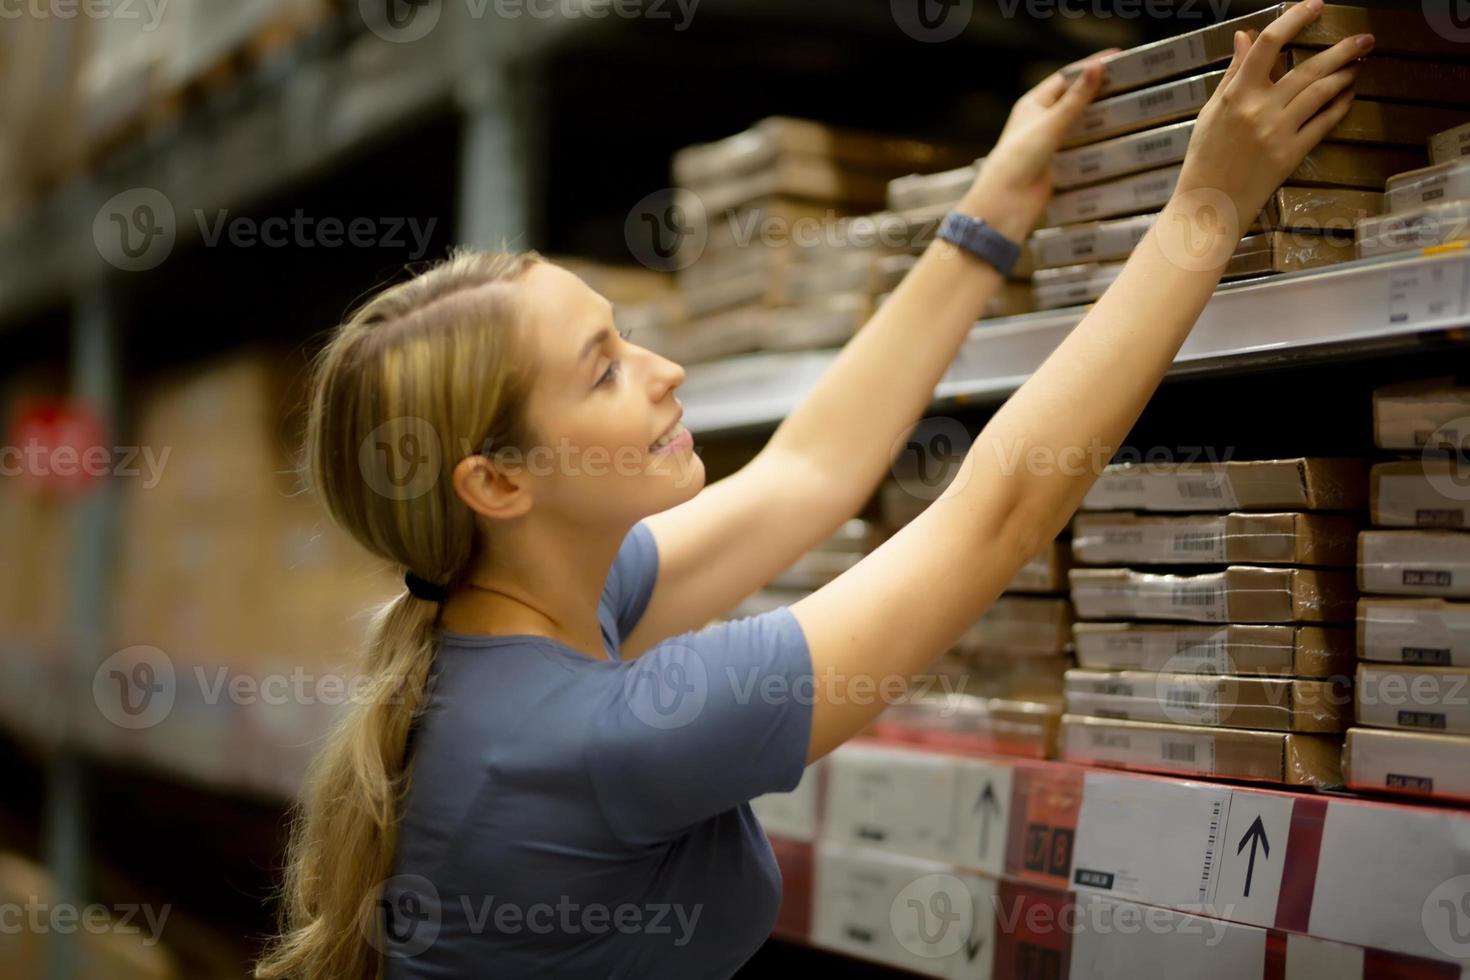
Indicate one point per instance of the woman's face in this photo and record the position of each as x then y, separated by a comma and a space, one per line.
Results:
599, 405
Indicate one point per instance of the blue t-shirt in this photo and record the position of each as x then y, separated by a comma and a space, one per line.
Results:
571, 817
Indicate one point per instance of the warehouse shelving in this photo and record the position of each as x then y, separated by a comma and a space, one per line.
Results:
1352, 310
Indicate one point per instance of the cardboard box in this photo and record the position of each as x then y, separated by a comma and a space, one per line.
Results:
1240, 594
1423, 632
1439, 184
1284, 651
1410, 763
962, 722
1073, 285
1146, 108
1269, 703
1425, 492
1090, 241
1274, 757
1021, 625
1148, 191
776, 138
1445, 83
1011, 678
1419, 415
1438, 224
1433, 563
1319, 209
1433, 699
817, 324
803, 178
768, 223
1287, 251
1452, 144
1388, 123
1045, 573
1279, 484
710, 338
1395, 32
929, 189
1264, 539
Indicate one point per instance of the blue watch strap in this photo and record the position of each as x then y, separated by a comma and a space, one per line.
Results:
981, 240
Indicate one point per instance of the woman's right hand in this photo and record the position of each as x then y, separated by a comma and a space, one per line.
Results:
1253, 133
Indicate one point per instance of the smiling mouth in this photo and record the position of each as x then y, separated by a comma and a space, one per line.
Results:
674, 433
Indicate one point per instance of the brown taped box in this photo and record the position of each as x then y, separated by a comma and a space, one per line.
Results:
1046, 572
1421, 414
1239, 594
1288, 759
802, 178
1287, 251
1406, 32
1408, 763
1402, 79
1266, 539
1427, 563
1021, 625
1435, 699
1421, 632
1013, 678
967, 723
1267, 703
765, 223
777, 137
1317, 483
1225, 648
1412, 493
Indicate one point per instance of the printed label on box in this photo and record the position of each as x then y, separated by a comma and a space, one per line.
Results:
1424, 637
1424, 295
1186, 650
1412, 501
982, 813
1252, 856
1177, 751
1201, 541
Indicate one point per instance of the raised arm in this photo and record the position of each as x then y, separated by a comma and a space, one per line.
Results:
906, 603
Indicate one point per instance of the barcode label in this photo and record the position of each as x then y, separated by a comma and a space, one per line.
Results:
1147, 148
1172, 751
1184, 697
1200, 544
1212, 842
1157, 100
1196, 596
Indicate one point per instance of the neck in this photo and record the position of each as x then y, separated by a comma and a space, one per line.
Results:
541, 579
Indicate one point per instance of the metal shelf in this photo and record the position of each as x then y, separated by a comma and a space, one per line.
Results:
1354, 309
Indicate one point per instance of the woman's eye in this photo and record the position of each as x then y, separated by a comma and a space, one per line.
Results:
612, 370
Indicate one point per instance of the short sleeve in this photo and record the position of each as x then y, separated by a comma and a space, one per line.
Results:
631, 579
702, 723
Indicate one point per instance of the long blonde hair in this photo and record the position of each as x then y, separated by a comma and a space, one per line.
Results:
421, 372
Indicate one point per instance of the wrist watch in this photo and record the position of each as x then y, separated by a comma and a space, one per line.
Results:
981, 240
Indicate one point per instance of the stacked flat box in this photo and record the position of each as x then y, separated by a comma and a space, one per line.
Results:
1425, 207
1021, 647
1413, 622
1213, 602
783, 233
1120, 162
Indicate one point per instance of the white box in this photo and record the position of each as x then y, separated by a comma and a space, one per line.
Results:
1428, 563
1422, 632
1439, 184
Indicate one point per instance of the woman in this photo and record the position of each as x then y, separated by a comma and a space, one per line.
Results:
552, 773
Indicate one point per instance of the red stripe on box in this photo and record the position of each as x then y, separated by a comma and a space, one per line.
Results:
1275, 968
1299, 874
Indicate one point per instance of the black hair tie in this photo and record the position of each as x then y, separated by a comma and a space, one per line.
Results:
424, 589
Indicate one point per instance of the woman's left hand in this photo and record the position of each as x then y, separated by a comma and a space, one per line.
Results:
1015, 179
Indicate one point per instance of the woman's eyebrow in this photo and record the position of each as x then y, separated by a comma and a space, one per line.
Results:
592, 343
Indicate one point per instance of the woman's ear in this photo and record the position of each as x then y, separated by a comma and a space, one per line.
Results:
493, 485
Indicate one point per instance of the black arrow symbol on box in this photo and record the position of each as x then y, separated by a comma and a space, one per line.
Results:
1256, 834
985, 805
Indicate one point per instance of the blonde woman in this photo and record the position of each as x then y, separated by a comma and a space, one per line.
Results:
552, 777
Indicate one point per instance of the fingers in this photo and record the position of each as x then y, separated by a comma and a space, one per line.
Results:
1242, 44
1325, 121
1318, 94
1263, 54
1320, 66
1074, 101
1047, 93
1095, 56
